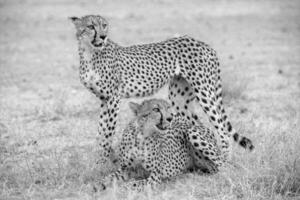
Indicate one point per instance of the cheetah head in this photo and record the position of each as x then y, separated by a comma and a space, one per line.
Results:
91, 30
153, 115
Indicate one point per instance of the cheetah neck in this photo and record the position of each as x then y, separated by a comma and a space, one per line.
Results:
87, 52
94, 63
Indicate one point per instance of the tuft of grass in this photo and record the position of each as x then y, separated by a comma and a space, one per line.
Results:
69, 171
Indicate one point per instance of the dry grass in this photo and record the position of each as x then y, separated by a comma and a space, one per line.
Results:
48, 120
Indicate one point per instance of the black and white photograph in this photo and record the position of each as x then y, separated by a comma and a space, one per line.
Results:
149, 99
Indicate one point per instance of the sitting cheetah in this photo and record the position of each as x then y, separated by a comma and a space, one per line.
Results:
112, 72
163, 145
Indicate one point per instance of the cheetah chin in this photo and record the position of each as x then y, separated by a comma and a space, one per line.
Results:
161, 127
97, 45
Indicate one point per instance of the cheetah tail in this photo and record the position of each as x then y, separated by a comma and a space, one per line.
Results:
243, 141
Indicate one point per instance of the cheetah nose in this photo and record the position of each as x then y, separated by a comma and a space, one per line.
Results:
169, 119
102, 37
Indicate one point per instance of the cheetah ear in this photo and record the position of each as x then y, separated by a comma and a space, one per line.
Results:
135, 107
76, 21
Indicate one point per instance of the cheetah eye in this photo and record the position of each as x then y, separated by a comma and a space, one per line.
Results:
145, 115
156, 109
104, 25
90, 27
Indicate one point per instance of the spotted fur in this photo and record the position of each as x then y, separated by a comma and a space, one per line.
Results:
164, 154
112, 72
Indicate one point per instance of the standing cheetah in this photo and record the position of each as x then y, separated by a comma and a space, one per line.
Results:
113, 72
164, 146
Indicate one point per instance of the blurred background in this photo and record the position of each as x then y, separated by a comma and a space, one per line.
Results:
48, 120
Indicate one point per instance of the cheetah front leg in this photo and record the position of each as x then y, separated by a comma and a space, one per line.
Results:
125, 171
120, 174
106, 127
138, 185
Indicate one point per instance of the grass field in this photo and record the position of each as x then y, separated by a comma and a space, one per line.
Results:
48, 120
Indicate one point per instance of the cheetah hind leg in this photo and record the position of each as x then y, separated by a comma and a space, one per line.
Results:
181, 95
207, 99
206, 154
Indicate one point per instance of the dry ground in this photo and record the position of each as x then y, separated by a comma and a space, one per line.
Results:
48, 119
